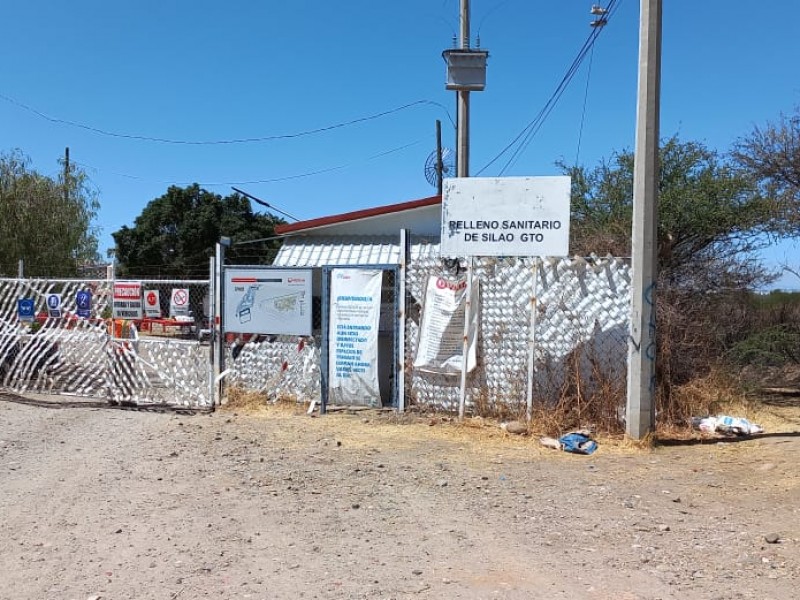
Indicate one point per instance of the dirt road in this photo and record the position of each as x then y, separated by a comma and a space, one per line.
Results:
113, 504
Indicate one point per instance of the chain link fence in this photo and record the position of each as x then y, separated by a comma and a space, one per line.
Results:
552, 330
57, 336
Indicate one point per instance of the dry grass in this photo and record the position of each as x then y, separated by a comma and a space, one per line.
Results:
721, 394
481, 438
246, 401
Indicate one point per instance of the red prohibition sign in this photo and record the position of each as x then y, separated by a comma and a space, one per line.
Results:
151, 299
179, 297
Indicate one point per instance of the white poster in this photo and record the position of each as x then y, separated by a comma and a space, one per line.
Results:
441, 332
127, 300
267, 300
353, 336
152, 304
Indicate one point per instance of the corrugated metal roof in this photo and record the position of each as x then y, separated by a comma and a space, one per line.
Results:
322, 251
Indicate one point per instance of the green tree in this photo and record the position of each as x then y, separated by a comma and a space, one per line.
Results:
712, 218
771, 156
176, 233
45, 222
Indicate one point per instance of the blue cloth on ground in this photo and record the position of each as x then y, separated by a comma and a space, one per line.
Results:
577, 443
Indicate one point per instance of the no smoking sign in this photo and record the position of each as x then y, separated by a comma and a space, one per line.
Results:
180, 297
179, 305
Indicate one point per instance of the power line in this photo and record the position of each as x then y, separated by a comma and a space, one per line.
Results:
254, 181
525, 136
263, 203
535, 126
248, 140
585, 99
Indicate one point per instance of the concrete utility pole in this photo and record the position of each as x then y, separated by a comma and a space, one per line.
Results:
642, 353
462, 143
439, 164
466, 72
66, 174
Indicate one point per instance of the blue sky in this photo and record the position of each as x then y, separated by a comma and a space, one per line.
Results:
212, 71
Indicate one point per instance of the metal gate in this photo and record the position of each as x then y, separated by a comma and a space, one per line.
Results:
57, 336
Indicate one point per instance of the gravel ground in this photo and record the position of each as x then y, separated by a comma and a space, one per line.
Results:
108, 503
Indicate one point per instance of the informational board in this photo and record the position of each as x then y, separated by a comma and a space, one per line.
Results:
53, 305
179, 302
83, 303
127, 300
269, 300
441, 332
152, 304
353, 336
25, 309
505, 216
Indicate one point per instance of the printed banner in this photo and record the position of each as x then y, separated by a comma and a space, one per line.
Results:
127, 300
353, 336
441, 333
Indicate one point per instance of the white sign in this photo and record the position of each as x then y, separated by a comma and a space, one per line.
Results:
127, 301
441, 332
179, 302
268, 300
53, 305
353, 336
152, 304
506, 216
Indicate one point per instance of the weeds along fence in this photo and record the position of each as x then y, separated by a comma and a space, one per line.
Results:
552, 330
57, 336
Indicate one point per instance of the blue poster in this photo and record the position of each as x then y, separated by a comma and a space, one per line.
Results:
54, 305
83, 303
25, 309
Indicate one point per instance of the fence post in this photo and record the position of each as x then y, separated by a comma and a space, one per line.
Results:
401, 333
212, 317
532, 340
218, 340
468, 308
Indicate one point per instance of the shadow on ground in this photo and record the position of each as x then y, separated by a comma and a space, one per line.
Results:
61, 403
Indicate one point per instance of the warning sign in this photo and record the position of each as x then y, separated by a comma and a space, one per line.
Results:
179, 303
152, 304
127, 300
54, 305
83, 303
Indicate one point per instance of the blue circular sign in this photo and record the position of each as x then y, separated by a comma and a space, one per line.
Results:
25, 307
83, 299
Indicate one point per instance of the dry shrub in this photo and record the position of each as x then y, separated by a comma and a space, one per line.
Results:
244, 400
586, 392
240, 399
700, 397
